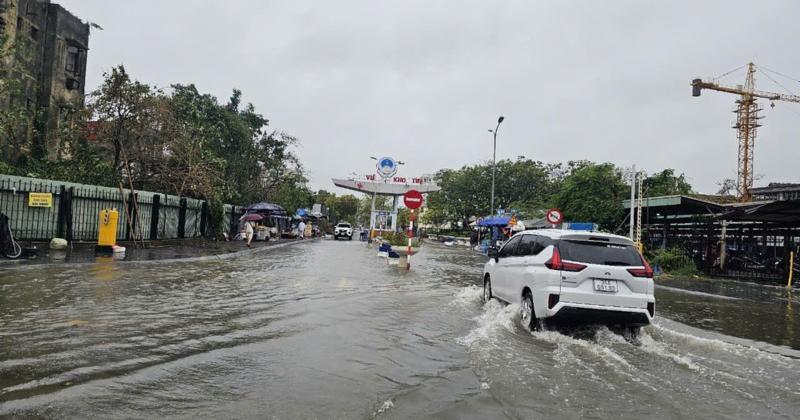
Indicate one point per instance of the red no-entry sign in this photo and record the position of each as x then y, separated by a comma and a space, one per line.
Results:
554, 216
412, 199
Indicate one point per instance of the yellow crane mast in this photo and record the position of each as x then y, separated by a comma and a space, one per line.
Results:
746, 122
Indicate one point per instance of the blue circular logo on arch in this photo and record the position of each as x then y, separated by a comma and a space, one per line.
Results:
387, 167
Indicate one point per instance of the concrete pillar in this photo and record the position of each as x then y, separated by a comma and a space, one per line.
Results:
372, 213
395, 204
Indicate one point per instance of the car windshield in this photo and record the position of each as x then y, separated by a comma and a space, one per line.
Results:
344, 225
604, 253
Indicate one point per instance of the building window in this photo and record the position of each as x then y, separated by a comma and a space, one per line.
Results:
34, 33
30, 9
73, 61
19, 24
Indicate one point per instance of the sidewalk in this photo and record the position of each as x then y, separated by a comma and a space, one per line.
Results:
185, 249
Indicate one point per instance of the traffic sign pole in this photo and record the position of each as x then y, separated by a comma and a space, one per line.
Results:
410, 235
413, 200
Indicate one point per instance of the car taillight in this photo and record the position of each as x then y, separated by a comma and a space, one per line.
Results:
556, 263
645, 271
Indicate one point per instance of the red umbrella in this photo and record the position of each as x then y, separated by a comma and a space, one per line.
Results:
252, 217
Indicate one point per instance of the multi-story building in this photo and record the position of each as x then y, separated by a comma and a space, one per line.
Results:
777, 191
45, 53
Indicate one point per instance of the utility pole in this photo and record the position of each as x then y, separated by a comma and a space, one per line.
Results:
633, 198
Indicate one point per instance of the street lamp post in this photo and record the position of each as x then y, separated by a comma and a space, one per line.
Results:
494, 157
372, 209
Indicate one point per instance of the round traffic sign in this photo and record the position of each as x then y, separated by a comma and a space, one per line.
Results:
412, 199
387, 167
554, 216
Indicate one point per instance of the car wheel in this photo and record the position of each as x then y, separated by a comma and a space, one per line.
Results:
632, 335
487, 290
527, 316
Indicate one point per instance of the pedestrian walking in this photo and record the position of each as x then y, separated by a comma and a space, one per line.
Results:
248, 232
301, 230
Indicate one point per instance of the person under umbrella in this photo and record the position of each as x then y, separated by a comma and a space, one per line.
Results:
249, 219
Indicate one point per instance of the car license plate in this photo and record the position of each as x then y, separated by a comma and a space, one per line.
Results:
605, 285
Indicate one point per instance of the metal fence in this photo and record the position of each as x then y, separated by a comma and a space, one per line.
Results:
75, 209
754, 251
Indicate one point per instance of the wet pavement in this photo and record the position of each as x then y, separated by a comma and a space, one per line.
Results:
326, 330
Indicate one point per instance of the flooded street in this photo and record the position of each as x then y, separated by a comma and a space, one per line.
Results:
327, 330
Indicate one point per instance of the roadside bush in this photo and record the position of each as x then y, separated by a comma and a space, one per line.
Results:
673, 261
326, 227
399, 239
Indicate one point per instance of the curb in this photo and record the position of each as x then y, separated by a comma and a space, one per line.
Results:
222, 256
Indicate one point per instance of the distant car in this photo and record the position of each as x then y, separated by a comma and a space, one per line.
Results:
572, 276
343, 230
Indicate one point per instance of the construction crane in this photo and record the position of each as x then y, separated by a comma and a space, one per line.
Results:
746, 122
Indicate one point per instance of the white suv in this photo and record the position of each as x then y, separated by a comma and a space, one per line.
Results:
343, 230
572, 276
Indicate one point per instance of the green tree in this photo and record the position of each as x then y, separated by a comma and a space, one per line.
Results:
347, 207
183, 142
382, 202
17, 111
523, 184
593, 193
293, 194
666, 183
129, 114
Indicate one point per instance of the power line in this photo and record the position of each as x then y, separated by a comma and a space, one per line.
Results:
776, 82
779, 74
727, 73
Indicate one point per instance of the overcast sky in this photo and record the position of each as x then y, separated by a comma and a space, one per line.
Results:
422, 81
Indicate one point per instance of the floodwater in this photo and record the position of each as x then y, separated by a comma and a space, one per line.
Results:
327, 330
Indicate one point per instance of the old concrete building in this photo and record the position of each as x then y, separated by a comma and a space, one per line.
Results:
46, 54
777, 191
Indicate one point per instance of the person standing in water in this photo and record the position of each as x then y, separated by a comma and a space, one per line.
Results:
248, 232
301, 230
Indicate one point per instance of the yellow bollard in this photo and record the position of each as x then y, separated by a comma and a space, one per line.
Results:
791, 268
107, 229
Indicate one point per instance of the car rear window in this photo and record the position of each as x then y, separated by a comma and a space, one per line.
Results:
604, 253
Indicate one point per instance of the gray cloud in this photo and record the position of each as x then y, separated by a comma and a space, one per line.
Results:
424, 80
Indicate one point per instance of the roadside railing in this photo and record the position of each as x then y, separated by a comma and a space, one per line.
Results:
41, 209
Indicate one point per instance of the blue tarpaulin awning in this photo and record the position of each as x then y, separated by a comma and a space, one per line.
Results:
495, 221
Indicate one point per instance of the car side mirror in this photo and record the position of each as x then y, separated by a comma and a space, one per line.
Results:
493, 253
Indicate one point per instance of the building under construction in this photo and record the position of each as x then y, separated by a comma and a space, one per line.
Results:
748, 116
754, 235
